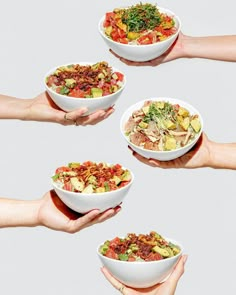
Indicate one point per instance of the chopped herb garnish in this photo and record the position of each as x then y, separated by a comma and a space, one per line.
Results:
141, 17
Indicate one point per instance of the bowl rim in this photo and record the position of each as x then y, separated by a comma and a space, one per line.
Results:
80, 98
145, 262
158, 99
77, 194
162, 9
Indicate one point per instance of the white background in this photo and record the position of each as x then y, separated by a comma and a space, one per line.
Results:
195, 207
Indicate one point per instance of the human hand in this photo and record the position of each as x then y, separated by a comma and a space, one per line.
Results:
174, 52
42, 108
166, 288
199, 156
54, 214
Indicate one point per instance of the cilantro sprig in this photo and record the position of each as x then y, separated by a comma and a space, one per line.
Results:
141, 17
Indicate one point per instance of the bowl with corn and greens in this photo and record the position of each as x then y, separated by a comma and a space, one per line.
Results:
140, 32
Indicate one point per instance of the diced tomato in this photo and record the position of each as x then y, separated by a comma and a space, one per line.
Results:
114, 243
111, 254
78, 93
144, 40
117, 166
62, 169
109, 16
121, 33
52, 80
119, 75
154, 256
68, 186
131, 258
123, 183
123, 40
115, 35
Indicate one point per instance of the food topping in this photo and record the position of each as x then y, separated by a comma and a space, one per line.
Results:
162, 126
85, 81
142, 247
139, 24
90, 177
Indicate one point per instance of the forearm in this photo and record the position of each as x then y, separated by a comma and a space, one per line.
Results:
15, 213
223, 155
13, 108
211, 47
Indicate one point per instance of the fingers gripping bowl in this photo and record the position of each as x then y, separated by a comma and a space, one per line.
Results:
90, 185
95, 86
140, 260
161, 128
140, 32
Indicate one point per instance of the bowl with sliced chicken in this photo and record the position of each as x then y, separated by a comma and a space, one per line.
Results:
161, 128
84, 186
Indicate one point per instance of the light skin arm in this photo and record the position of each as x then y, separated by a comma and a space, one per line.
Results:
42, 108
222, 48
166, 288
48, 211
206, 153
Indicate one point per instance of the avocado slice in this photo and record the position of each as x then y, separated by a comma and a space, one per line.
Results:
88, 189
195, 123
170, 143
96, 92
183, 112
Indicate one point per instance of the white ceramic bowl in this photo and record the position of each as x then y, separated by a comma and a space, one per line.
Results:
141, 53
160, 155
140, 274
67, 103
83, 203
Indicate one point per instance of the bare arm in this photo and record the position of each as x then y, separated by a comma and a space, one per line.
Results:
12, 107
18, 213
206, 153
42, 109
49, 211
223, 155
211, 47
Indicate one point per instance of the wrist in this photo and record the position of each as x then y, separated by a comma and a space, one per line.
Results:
189, 45
222, 156
14, 213
14, 108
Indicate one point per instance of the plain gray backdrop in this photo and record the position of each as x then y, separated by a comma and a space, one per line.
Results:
195, 207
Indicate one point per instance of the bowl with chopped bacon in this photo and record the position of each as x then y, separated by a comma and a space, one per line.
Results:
140, 260
161, 128
92, 185
139, 32
96, 86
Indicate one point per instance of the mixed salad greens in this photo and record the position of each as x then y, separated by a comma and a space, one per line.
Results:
141, 247
85, 81
140, 24
90, 177
162, 126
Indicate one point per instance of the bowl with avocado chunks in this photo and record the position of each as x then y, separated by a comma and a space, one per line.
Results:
140, 260
89, 185
95, 86
161, 128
